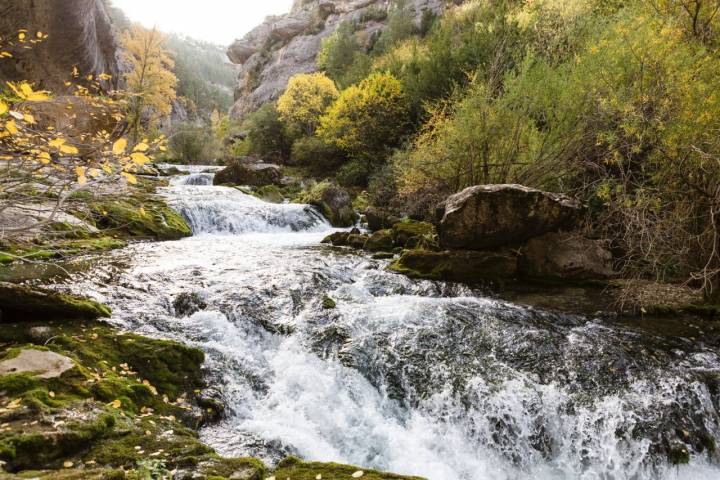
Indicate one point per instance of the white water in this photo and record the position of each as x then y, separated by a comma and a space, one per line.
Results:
417, 378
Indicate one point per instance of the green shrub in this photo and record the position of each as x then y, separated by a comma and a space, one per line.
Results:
313, 152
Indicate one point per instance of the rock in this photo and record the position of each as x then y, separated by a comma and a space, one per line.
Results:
19, 303
270, 193
287, 45
489, 216
334, 203
39, 363
357, 240
411, 233
337, 239
253, 174
380, 241
383, 256
458, 265
566, 256
328, 303
378, 219
40, 335
188, 303
80, 34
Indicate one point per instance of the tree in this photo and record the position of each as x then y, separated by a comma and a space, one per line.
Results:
342, 57
150, 80
367, 120
305, 100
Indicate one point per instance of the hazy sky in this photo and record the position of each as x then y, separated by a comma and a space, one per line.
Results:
217, 21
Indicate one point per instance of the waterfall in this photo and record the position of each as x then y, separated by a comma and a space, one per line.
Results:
416, 377
227, 210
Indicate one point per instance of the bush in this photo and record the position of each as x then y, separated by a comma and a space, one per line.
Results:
266, 134
313, 152
367, 120
190, 144
306, 98
353, 174
342, 56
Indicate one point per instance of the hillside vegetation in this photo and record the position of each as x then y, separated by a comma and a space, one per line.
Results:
614, 102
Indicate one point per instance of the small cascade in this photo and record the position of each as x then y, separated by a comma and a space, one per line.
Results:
196, 179
229, 211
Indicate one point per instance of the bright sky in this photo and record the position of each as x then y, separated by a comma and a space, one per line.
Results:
216, 21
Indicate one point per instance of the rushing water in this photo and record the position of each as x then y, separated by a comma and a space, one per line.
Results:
414, 377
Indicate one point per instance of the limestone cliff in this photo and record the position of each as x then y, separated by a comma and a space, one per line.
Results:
286, 45
79, 34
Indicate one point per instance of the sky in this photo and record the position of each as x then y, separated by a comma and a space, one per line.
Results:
216, 21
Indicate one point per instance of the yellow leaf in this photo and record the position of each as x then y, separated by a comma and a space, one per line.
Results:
116, 404
75, 72
21, 36
68, 150
56, 142
80, 171
37, 97
94, 172
106, 168
44, 157
163, 148
29, 118
11, 127
39, 34
139, 158
118, 147
129, 177
6, 55
3, 108
142, 211
141, 147
68, 464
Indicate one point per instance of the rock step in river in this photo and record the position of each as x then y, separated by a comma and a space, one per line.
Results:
415, 377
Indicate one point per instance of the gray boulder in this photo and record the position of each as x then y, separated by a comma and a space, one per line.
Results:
39, 363
566, 256
490, 216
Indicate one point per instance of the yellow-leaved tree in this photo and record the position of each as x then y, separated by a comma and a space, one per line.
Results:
305, 100
52, 147
150, 81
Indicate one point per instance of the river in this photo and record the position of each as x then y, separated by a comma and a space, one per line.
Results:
414, 377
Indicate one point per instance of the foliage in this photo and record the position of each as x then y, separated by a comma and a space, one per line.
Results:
342, 57
47, 160
368, 119
313, 152
306, 98
190, 143
266, 134
149, 80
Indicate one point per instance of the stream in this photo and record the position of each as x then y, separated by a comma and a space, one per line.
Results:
414, 377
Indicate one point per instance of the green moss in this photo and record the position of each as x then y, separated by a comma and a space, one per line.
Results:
296, 469
139, 218
22, 303
270, 193
328, 303
413, 234
456, 266
678, 454
16, 383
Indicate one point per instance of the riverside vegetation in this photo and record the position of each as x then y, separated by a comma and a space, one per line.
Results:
438, 139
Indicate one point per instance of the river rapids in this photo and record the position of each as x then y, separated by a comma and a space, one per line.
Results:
415, 377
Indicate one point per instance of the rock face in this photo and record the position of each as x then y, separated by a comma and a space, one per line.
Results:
490, 216
40, 363
79, 34
253, 174
287, 45
566, 256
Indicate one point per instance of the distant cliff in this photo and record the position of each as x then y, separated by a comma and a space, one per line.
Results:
285, 45
79, 32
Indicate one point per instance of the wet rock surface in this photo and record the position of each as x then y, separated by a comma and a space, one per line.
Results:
242, 172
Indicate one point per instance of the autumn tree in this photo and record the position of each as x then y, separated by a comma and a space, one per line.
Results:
368, 119
150, 80
305, 100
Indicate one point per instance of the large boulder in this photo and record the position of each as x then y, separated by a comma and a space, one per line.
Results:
380, 241
410, 233
20, 303
490, 216
379, 219
252, 174
457, 265
333, 202
566, 256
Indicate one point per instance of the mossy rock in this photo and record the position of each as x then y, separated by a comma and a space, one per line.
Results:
337, 239
140, 218
328, 303
457, 266
20, 303
380, 241
270, 193
357, 240
333, 202
410, 233
296, 469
